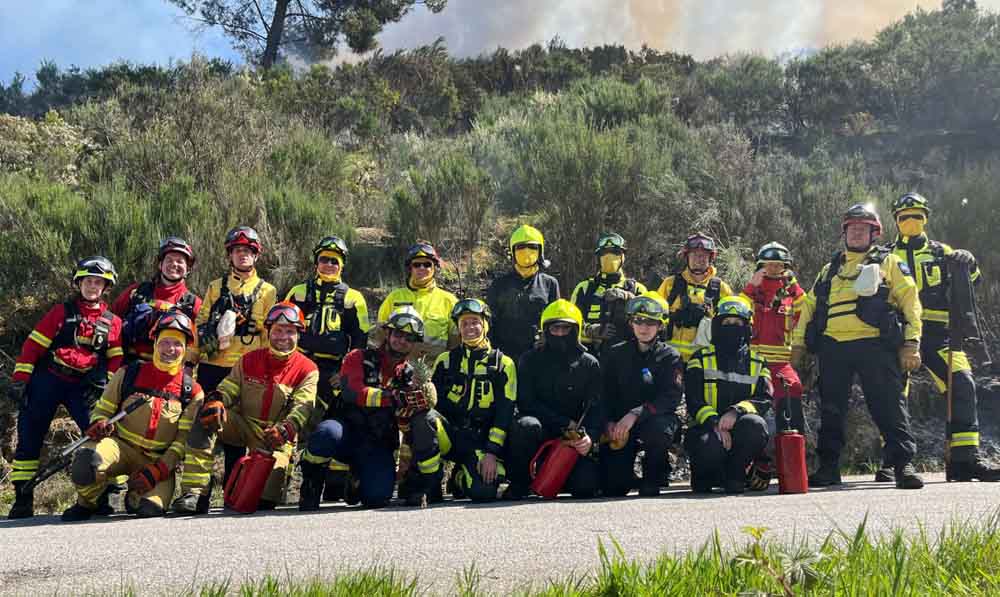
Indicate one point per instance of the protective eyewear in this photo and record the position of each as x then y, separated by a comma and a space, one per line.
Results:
422, 264
99, 264
244, 232
905, 217
327, 260
283, 314
700, 243
910, 201
473, 306
642, 320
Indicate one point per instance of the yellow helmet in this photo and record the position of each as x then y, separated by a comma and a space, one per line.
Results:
648, 305
526, 235
564, 311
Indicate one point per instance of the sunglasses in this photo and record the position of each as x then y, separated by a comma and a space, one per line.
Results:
421, 264
328, 260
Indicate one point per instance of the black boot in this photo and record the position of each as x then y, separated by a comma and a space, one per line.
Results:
193, 503
885, 474
827, 475
907, 478
77, 513
972, 470
24, 502
231, 454
417, 495
334, 485
104, 502
311, 491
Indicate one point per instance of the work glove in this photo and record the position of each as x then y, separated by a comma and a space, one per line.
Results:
279, 434
798, 358
213, 413
760, 475
416, 402
100, 429
964, 257
145, 479
595, 331
617, 294
909, 356
18, 394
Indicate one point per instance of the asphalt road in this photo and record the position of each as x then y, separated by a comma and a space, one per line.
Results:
511, 544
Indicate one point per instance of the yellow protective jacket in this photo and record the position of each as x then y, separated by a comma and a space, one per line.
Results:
266, 389
589, 297
710, 389
264, 296
682, 335
843, 324
160, 427
434, 306
477, 388
926, 261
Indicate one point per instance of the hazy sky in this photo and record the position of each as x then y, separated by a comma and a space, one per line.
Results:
95, 32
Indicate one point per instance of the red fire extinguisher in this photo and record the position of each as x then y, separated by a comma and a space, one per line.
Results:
559, 463
790, 452
246, 482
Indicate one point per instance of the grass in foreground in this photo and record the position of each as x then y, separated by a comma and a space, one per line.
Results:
962, 559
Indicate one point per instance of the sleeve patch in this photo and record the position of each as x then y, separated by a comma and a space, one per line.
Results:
903, 267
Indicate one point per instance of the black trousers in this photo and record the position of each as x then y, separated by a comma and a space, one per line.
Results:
434, 438
883, 386
526, 437
655, 434
711, 464
963, 429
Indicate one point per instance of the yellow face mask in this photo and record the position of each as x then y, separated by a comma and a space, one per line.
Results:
171, 367
335, 278
911, 226
611, 263
526, 256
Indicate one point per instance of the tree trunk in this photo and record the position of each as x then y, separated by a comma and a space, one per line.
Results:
274, 34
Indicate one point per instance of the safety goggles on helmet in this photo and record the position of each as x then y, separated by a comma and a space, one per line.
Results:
176, 244
426, 250
645, 307
285, 312
863, 214
910, 201
407, 323
173, 319
774, 251
610, 242
470, 306
526, 235
243, 235
330, 243
734, 307
98, 267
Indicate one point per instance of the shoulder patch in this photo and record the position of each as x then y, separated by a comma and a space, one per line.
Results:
903, 267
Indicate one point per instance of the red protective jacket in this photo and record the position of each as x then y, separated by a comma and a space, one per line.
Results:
164, 297
359, 381
773, 323
76, 355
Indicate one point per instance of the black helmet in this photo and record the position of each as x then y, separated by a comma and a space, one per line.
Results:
97, 266
471, 305
610, 242
408, 321
774, 251
911, 200
330, 243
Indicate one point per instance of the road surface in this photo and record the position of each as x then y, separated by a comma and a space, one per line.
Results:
510, 543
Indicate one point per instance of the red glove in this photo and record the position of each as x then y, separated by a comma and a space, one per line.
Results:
145, 479
213, 414
416, 401
279, 434
100, 429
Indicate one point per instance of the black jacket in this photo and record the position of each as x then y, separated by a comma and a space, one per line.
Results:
517, 305
556, 387
625, 388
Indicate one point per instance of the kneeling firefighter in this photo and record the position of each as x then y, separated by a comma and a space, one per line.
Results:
602, 298
642, 390
862, 316
727, 387
263, 403
375, 383
336, 323
559, 396
477, 386
933, 265
151, 440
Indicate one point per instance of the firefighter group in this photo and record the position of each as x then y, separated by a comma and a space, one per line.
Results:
490, 390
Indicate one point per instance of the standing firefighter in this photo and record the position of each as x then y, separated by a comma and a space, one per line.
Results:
263, 403
777, 297
231, 320
726, 386
336, 323
66, 360
477, 386
602, 299
366, 433
518, 297
141, 303
862, 316
642, 390
150, 441
559, 395
693, 293
929, 262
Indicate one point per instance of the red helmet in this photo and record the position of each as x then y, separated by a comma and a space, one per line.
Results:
173, 319
176, 244
862, 213
285, 312
243, 235
699, 240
